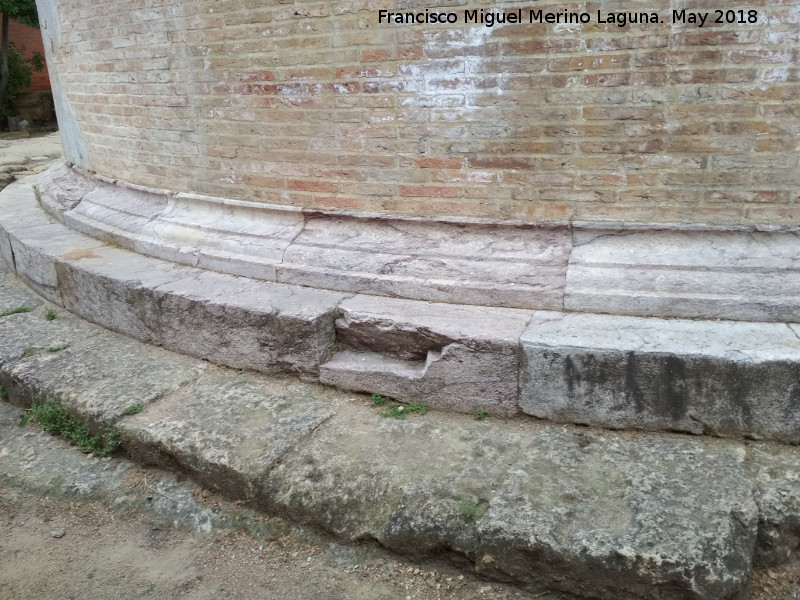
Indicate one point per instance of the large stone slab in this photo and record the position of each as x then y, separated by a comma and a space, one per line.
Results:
100, 377
228, 430
715, 377
750, 276
30, 333
442, 262
596, 515
463, 358
43, 464
235, 321
241, 322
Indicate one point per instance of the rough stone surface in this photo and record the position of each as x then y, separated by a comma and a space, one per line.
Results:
462, 358
776, 471
38, 462
242, 322
408, 329
723, 378
228, 430
14, 296
98, 378
594, 514
453, 378
710, 274
31, 332
584, 512
235, 321
441, 262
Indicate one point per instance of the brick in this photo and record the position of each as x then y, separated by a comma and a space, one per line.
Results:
315, 104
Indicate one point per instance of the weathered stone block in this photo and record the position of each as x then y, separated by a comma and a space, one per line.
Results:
721, 378
227, 429
748, 276
592, 514
462, 358
440, 262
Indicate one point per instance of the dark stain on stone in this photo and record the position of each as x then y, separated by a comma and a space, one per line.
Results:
633, 393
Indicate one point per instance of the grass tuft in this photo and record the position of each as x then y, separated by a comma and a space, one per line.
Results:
470, 509
135, 409
15, 310
54, 418
50, 314
397, 411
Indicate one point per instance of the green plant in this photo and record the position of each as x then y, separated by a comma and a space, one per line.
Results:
398, 411
470, 509
378, 400
135, 409
50, 314
58, 348
38, 193
480, 415
53, 417
3, 392
15, 310
29, 351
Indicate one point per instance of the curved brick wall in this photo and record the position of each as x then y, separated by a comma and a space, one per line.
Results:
317, 104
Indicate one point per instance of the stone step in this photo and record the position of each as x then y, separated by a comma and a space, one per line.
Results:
585, 512
727, 378
724, 378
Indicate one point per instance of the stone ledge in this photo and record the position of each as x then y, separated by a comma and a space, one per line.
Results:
704, 272
725, 378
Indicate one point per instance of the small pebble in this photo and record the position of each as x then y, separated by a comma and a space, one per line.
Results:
58, 533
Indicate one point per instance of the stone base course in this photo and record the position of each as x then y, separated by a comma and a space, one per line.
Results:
726, 378
583, 512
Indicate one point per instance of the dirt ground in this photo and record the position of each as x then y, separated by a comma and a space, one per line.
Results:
103, 554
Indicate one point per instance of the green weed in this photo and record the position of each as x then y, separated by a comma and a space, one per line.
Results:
38, 193
3, 392
15, 310
470, 509
480, 415
399, 411
378, 400
54, 418
29, 351
58, 348
135, 409
50, 314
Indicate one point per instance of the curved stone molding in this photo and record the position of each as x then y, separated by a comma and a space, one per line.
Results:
453, 262
713, 274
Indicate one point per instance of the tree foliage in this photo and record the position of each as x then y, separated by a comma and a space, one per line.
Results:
23, 11
15, 71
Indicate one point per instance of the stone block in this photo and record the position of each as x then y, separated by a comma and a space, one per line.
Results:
227, 429
723, 378
462, 358
576, 511
441, 262
747, 276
